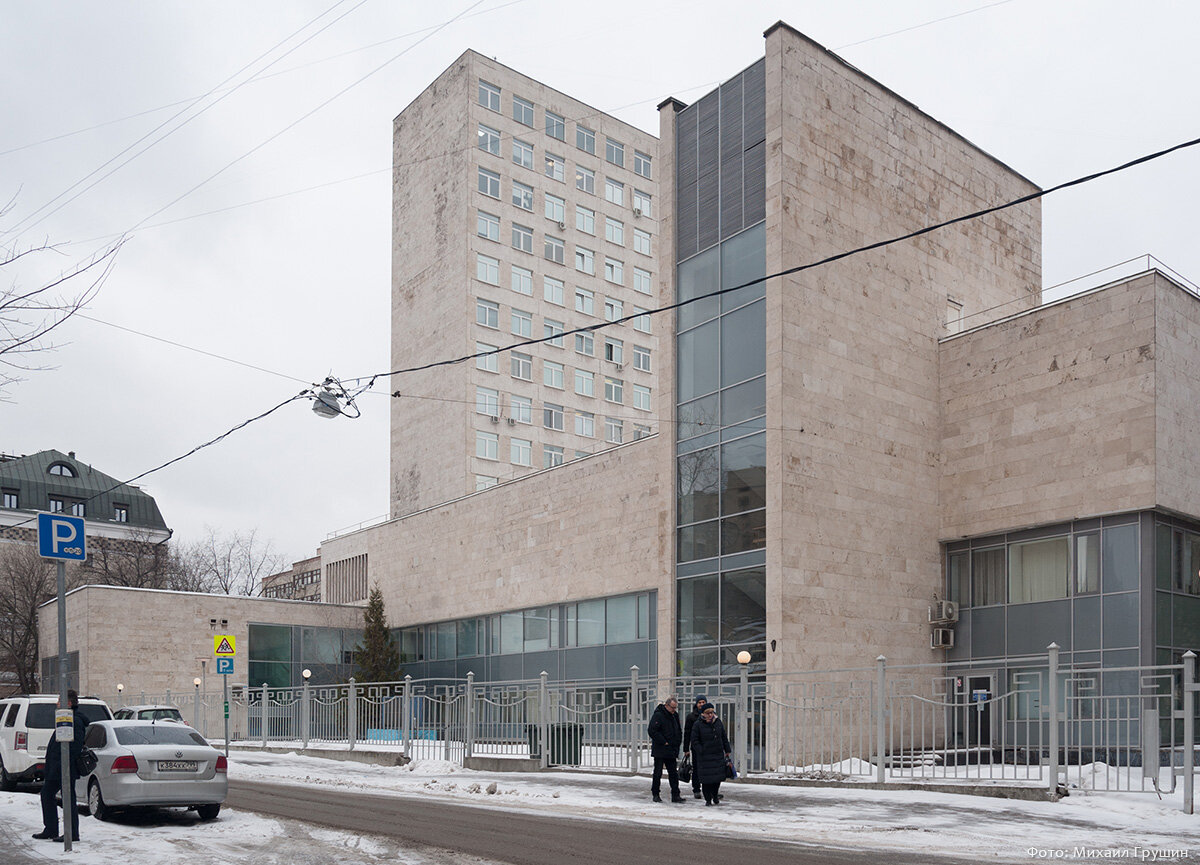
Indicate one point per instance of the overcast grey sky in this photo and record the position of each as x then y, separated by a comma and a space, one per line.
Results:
299, 285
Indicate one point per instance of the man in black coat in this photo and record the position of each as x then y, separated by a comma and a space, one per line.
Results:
52, 783
665, 737
688, 723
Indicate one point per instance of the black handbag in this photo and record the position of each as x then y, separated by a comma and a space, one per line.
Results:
86, 762
685, 771
730, 771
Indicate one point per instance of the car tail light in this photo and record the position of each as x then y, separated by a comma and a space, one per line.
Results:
124, 764
222, 764
22, 742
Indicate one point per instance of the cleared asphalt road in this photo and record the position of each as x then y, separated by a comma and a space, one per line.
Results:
528, 839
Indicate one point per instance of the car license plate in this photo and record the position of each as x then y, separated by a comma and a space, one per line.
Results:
177, 765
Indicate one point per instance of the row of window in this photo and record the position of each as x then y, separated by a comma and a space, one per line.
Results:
487, 314
59, 504
623, 619
520, 451
487, 269
553, 166
554, 375
556, 127
520, 408
487, 225
488, 183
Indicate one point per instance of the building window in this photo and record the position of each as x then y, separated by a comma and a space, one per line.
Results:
640, 431
585, 261
489, 139
521, 409
585, 139
585, 424
551, 456
11, 499
614, 152
552, 332
523, 111
641, 281
522, 366
585, 179
486, 358
585, 302
556, 250
556, 126
614, 191
489, 183
614, 350
556, 167
641, 358
641, 241
614, 271
520, 452
641, 397
522, 238
56, 505
62, 470
1038, 570
585, 219
1087, 564
487, 313
614, 430
489, 95
614, 389
987, 577
523, 153
552, 289
552, 374
556, 209
641, 320
484, 482
522, 196
614, 231
488, 226
585, 383
487, 269
522, 281
487, 445
585, 343
641, 164
522, 323
641, 203
552, 416
78, 509
487, 401
613, 308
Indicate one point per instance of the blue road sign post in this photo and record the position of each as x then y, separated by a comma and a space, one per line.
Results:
63, 539
225, 666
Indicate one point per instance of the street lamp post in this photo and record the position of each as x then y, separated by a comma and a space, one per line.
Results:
741, 746
304, 707
121, 693
196, 714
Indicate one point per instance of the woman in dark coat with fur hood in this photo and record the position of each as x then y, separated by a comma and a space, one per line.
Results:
710, 753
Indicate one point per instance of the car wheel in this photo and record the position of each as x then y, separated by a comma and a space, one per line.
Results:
208, 812
7, 784
96, 802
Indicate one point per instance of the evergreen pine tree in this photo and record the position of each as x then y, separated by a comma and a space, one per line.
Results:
377, 658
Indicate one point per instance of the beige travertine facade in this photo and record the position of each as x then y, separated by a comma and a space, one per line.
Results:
441, 142
1080, 408
151, 640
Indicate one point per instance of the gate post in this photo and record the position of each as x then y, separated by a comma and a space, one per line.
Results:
469, 738
406, 720
305, 713
1052, 672
1189, 728
544, 718
741, 747
635, 737
880, 717
264, 715
351, 713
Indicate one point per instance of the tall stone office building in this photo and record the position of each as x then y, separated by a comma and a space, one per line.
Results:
518, 213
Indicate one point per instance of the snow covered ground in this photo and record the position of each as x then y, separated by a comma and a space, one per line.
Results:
1087, 824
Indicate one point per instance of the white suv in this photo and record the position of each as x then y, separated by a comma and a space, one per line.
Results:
26, 725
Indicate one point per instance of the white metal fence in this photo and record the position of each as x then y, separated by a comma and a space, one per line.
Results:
1029, 722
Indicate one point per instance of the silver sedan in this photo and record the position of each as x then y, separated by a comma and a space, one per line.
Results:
149, 763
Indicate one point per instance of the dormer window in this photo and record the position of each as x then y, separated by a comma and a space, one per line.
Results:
62, 469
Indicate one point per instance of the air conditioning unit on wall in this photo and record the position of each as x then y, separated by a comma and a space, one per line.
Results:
943, 611
942, 638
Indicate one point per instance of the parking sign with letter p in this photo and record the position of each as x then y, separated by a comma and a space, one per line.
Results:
61, 537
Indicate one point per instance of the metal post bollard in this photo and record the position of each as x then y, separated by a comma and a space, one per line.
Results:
469, 738
1052, 672
264, 715
406, 721
1189, 728
635, 734
351, 713
544, 718
305, 714
880, 718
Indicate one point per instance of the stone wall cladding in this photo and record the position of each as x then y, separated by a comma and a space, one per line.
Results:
1177, 363
852, 359
1051, 415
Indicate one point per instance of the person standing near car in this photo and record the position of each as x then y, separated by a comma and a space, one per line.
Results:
52, 784
665, 738
710, 753
688, 723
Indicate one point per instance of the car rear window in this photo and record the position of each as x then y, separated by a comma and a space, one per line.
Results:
94, 712
40, 715
156, 735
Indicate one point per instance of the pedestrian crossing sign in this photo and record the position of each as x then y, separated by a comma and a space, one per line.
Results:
224, 645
